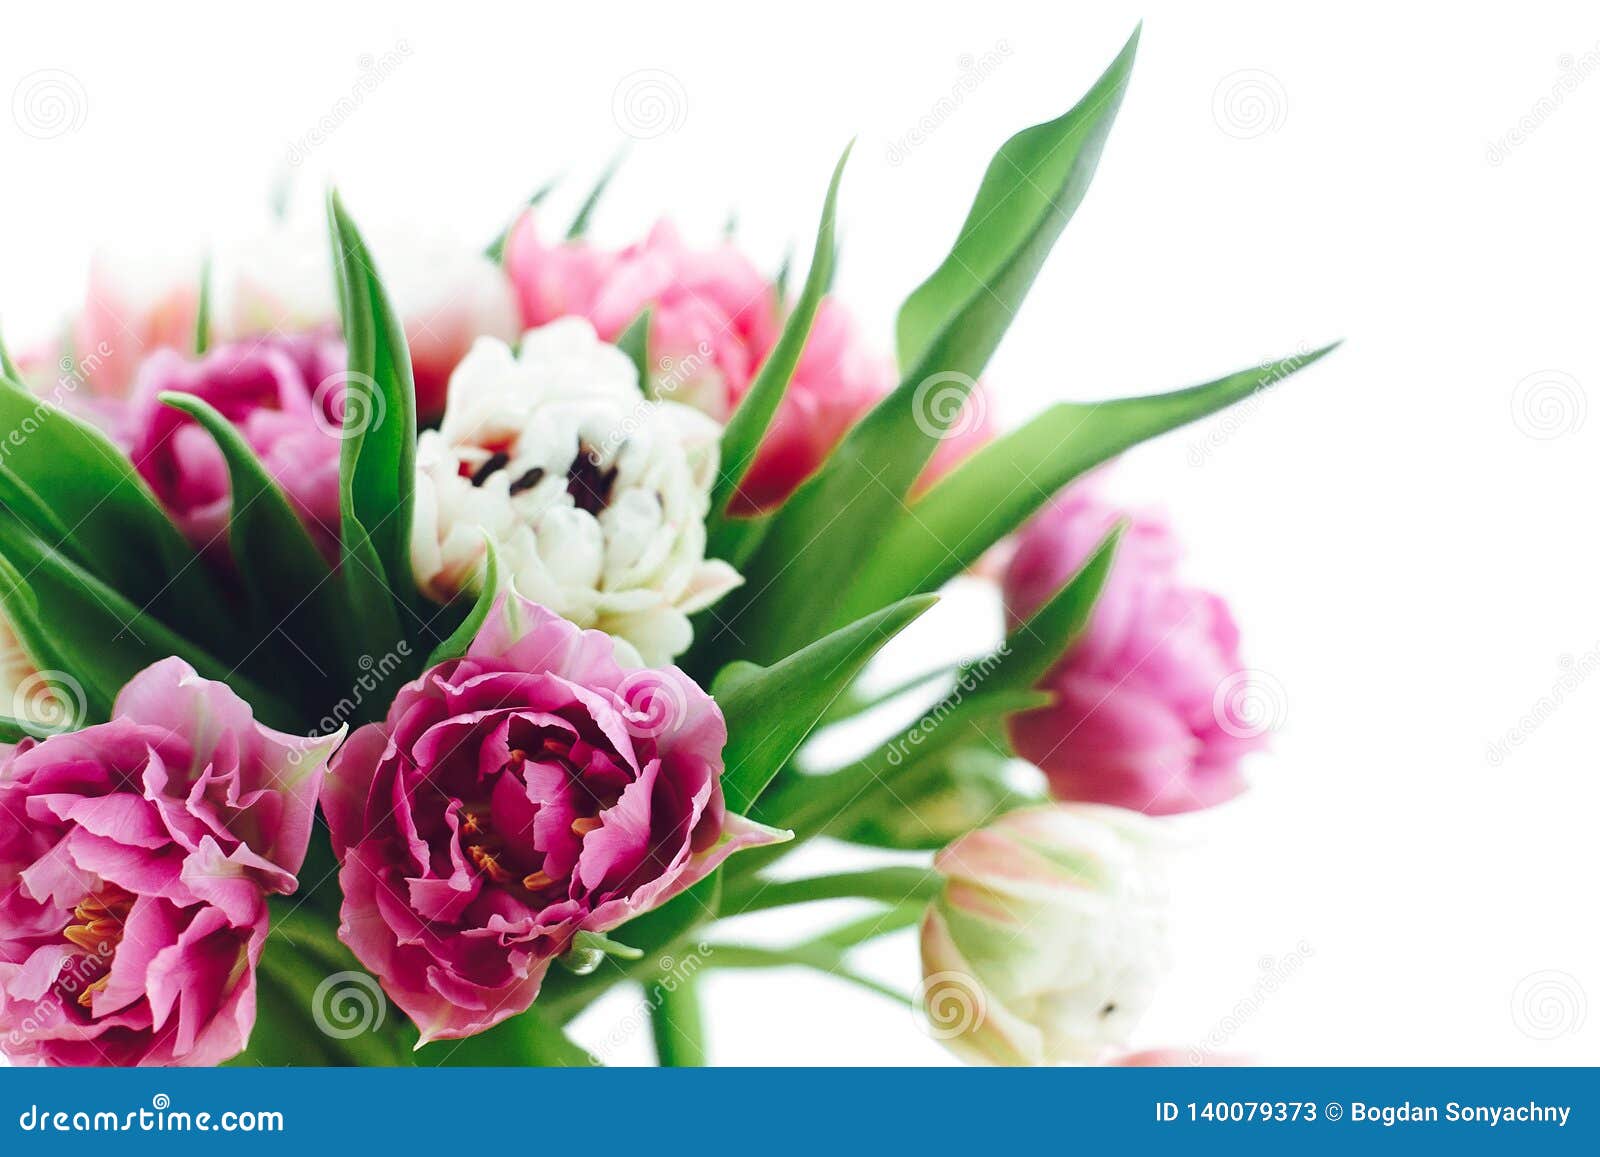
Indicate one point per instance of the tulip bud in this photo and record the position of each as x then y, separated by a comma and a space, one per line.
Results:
1049, 938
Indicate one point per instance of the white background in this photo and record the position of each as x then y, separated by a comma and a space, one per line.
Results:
1405, 532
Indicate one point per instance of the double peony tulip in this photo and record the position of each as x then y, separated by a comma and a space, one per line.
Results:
1137, 719
138, 855
594, 497
528, 791
1049, 938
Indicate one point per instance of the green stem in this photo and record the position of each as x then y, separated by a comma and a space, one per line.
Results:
857, 932
853, 702
814, 956
677, 1027
891, 885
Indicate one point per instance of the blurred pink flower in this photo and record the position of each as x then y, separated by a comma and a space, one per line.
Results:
1179, 1058
284, 394
714, 319
1144, 710
138, 854
514, 797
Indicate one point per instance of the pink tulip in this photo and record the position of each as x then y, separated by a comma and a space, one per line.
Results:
138, 854
514, 797
123, 321
714, 320
1144, 715
284, 394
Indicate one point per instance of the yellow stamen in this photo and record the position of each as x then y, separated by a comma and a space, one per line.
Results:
583, 826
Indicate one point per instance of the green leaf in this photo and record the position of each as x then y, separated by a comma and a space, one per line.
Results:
580, 223
13, 730
1033, 184
21, 501
657, 933
284, 576
589, 950
814, 804
635, 342
98, 636
528, 1040
8, 368
1035, 646
771, 710
748, 425
1004, 483
202, 316
813, 550
461, 638
377, 463
116, 521
496, 249
940, 801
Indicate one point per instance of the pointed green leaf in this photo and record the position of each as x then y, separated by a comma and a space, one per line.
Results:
748, 425
1035, 646
580, 223
202, 315
461, 638
496, 249
377, 463
1004, 483
102, 639
771, 710
116, 521
813, 550
284, 576
635, 342
1033, 183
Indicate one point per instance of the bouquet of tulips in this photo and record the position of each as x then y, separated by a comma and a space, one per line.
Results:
405, 646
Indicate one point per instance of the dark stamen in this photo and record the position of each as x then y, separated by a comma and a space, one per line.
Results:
589, 485
528, 481
495, 461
